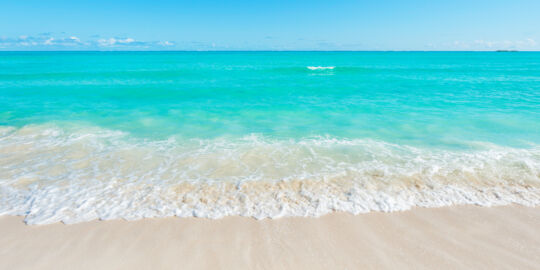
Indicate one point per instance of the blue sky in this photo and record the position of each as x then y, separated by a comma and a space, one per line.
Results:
269, 25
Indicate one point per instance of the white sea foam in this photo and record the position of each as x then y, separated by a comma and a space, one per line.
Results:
49, 174
320, 68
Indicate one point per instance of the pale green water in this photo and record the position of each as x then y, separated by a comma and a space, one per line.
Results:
87, 135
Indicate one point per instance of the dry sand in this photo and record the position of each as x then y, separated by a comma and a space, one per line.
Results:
462, 237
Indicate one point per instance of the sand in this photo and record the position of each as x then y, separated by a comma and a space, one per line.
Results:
461, 237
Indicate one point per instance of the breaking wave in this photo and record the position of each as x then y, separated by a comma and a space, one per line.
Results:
50, 174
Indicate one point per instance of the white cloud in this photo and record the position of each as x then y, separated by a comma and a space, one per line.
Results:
127, 40
165, 43
106, 42
49, 41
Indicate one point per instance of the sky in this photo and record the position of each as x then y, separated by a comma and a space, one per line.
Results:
269, 25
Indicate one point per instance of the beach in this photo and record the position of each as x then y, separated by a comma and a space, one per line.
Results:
457, 237
269, 135
269, 160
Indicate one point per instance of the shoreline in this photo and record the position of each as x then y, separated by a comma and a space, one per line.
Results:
463, 237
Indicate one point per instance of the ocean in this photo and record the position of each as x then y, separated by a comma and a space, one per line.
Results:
109, 135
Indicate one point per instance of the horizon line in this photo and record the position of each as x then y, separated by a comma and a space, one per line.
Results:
498, 50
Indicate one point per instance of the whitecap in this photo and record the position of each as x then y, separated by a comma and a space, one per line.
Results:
320, 68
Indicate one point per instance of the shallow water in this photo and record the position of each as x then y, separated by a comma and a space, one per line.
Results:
86, 135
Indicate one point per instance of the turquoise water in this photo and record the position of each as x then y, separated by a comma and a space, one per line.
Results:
86, 135
418, 98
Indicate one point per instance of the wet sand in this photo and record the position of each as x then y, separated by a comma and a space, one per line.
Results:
460, 237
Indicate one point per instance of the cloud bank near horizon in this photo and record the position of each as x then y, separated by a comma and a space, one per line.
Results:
49, 41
